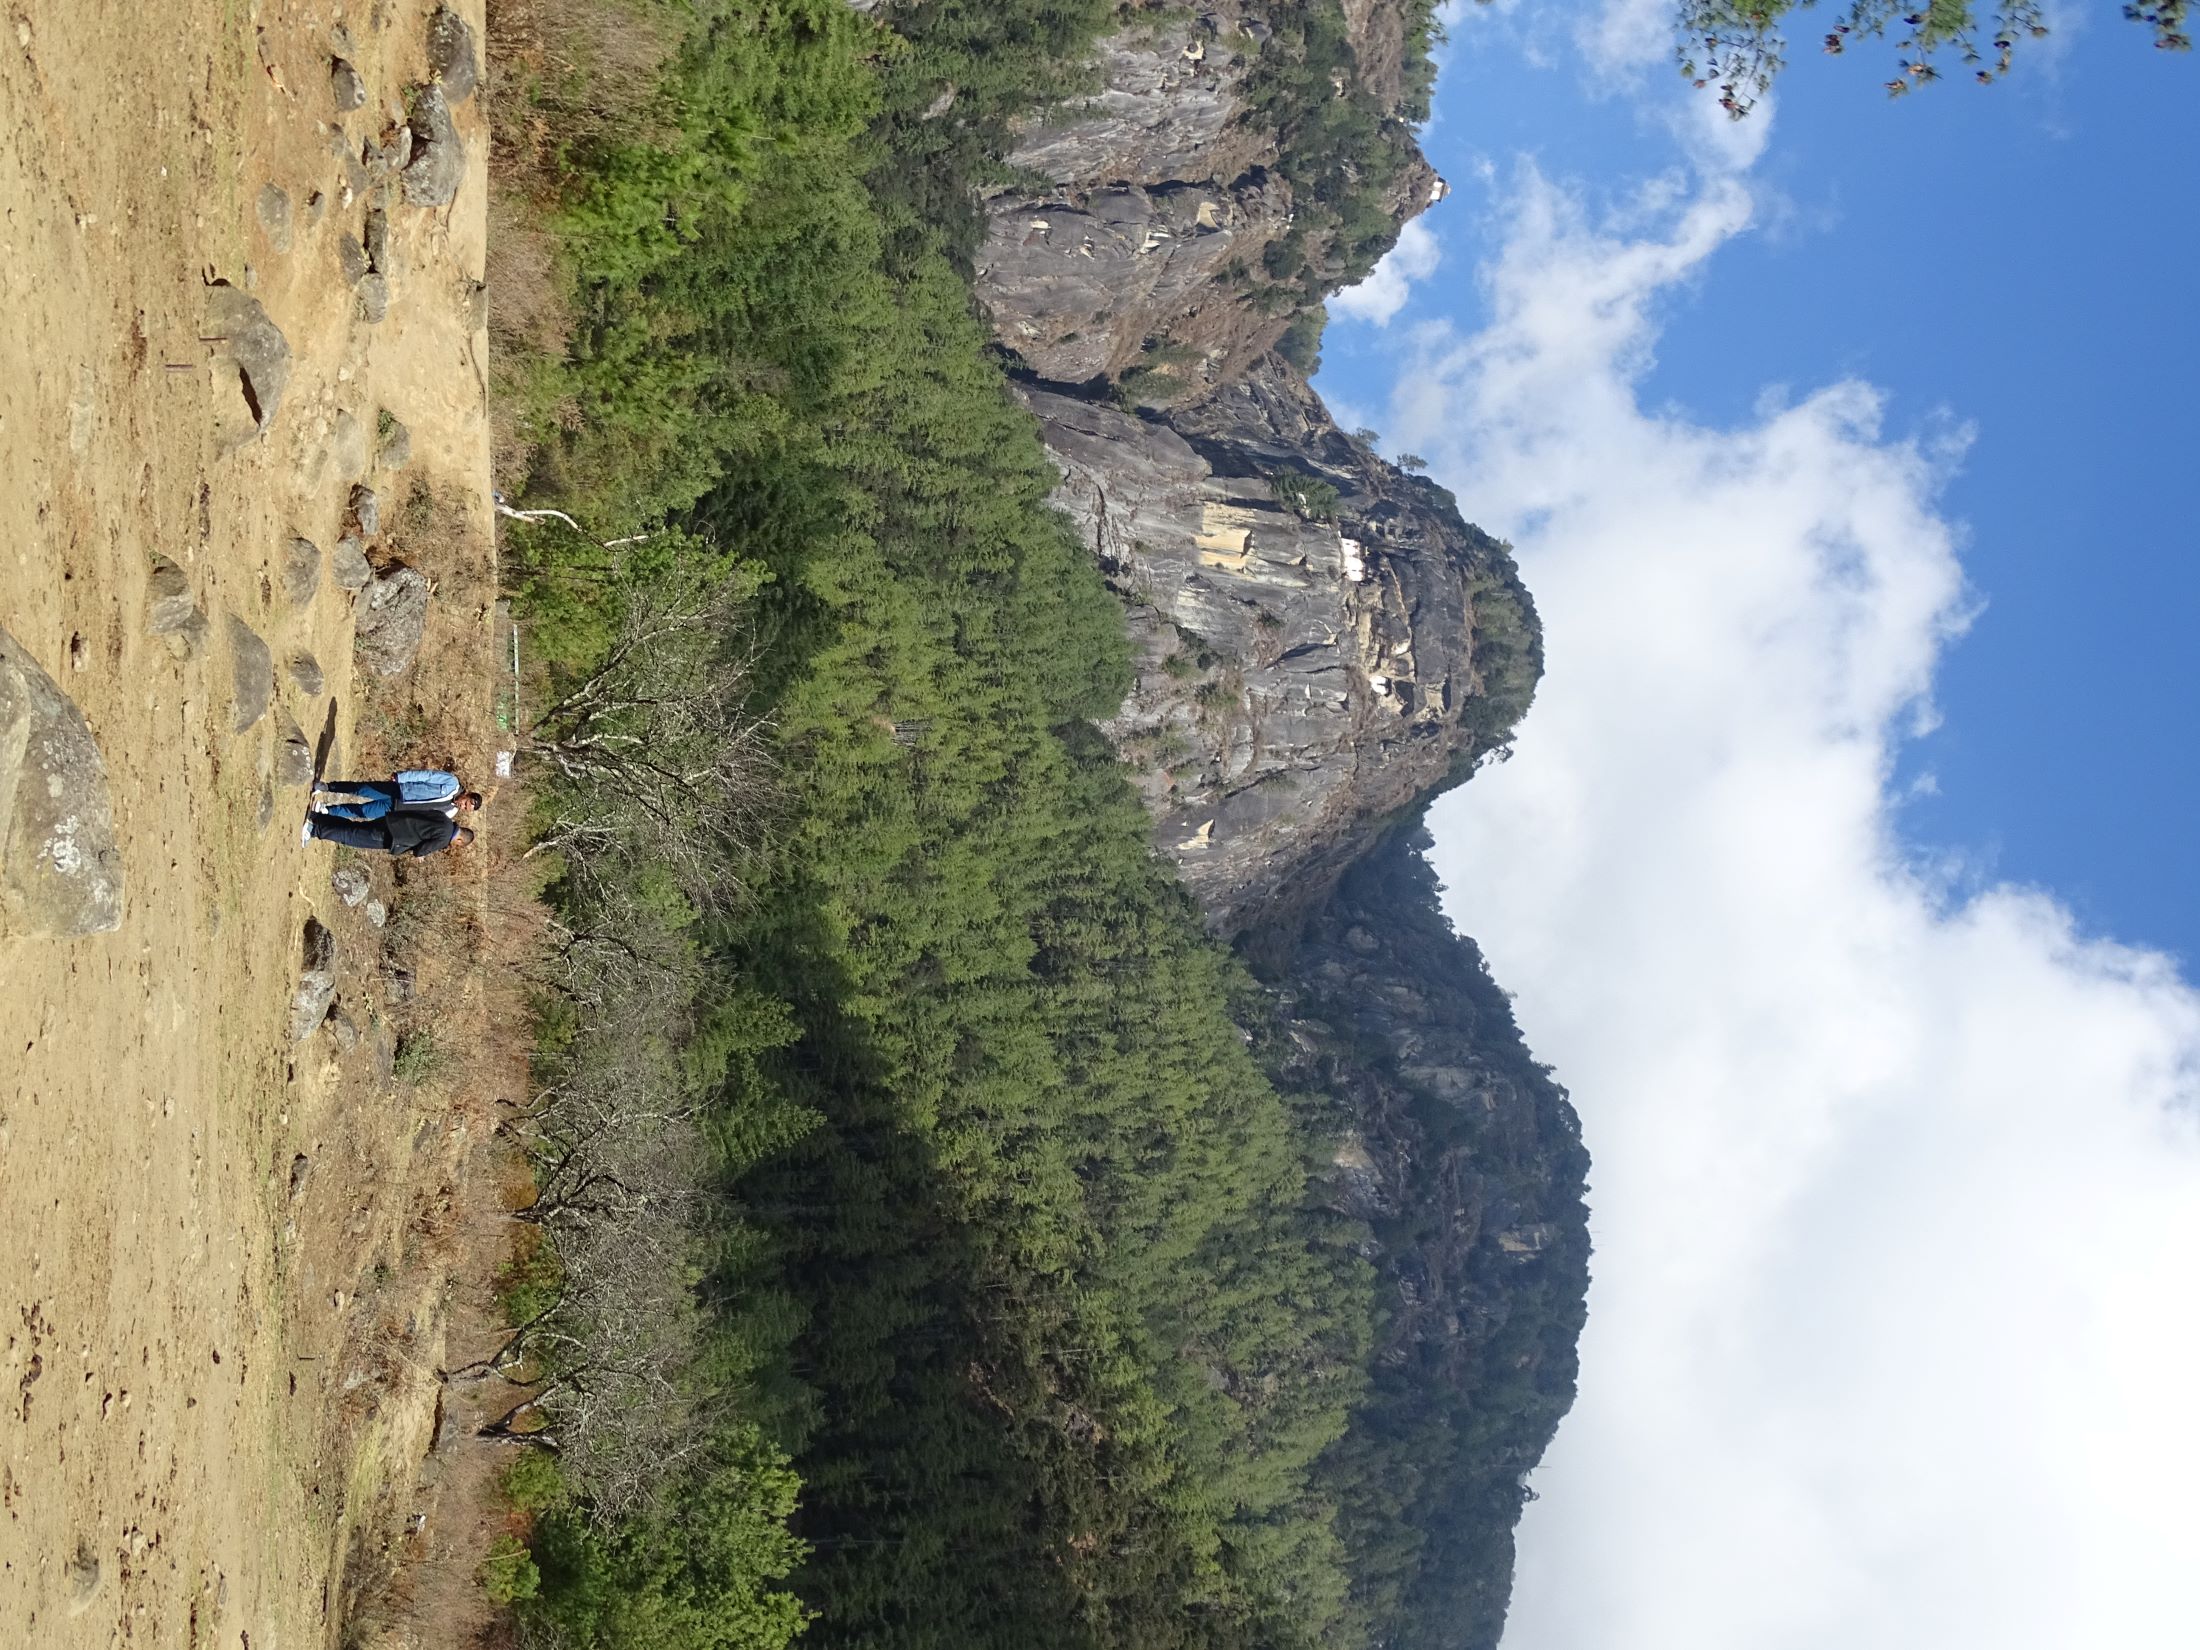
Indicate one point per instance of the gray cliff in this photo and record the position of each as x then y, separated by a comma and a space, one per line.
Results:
1319, 639
1162, 221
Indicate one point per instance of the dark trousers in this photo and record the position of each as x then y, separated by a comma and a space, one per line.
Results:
376, 798
370, 835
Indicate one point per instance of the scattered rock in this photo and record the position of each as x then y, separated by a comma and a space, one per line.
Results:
347, 447
293, 755
374, 298
343, 1030
301, 1167
316, 204
172, 612
363, 514
60, 869
351, 258
348, 86
304, 671
397, 985
377, 239
438, 163
309, 1004
348, 564
377, 913
401, 148
349, 884
258, 352
301, 572
274, 209
451, 57
251, 675
392, 619
396, 443
81, 1574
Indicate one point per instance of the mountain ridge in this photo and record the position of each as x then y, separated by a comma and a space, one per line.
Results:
1322, 644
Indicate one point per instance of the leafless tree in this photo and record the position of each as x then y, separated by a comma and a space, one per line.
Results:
655, 748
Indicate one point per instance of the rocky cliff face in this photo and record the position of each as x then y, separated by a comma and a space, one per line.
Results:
1167, 224
1319, 639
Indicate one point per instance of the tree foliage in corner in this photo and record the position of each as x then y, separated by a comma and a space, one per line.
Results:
1740, 46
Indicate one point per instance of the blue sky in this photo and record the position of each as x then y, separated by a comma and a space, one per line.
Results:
1840, 866
2019, 261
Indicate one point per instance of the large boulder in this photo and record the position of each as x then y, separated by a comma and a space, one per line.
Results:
256, 351
438, 163
451, 56
301, 572
391, 619
252, 675
309, 1004
60, 869
172, 611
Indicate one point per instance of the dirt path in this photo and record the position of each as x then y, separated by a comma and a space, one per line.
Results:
209, 1371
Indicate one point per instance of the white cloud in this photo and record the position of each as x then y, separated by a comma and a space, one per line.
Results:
1897, 1186
1390, 283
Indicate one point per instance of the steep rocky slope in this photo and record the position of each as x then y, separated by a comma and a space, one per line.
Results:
1239, 159
1465, 1159
1322, 644
1320, 639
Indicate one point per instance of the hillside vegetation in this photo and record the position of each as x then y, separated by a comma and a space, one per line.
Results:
921, 1250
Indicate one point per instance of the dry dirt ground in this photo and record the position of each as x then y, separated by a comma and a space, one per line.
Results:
224, 1255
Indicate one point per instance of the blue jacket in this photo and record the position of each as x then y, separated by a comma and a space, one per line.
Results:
418, 785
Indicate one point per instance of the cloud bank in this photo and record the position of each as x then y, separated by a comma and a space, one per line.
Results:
1893, 1338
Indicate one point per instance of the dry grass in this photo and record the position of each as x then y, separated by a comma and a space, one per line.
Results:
567, 73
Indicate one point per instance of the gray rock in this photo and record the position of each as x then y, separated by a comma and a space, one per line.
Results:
301, 1169
377, 240
438, 164
351, 258
316, 206
396, 444
1299, 681
61, 873
304, 671
347, 86
452, 60
274, 210
301, 572
347, 448
376, 913
172, 611
348, 564
350, 885
391, 621
309, 1004
251, 675
293, 755
373, 293
255, 349
263, 814
342, 1029
363, 513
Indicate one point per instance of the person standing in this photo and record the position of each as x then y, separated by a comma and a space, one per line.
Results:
411, 833
407, 788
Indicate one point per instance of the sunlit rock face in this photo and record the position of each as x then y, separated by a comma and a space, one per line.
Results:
1154, 201
1304, 618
